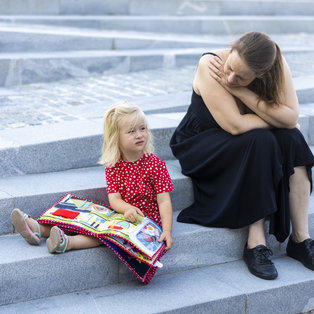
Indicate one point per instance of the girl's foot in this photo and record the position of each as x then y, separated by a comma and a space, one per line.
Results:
57, 241
23, 223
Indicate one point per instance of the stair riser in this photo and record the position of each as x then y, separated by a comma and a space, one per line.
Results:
182, 7
36, 204
285, 299
32, 42
46, 68
222, 26
74, 271
17, 71
155, 7
27, 71
6, 205
37, 157
25, 42
207, 25
64, 7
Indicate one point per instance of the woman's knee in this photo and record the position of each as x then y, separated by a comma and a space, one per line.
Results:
286, 137
263, 138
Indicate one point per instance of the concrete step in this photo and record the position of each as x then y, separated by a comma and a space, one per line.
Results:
25, 68
51, 147
27, 269
220, 288
157, 7
32, 67
206, 25
224, 288
40, 38
222, 7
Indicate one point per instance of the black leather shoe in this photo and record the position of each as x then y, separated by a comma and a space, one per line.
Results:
258, 262
303, 252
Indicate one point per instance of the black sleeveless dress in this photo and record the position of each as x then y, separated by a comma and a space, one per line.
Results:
237, 179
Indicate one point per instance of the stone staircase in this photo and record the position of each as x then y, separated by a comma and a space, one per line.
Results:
63, 63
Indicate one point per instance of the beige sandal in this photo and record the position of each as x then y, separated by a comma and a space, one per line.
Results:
18, 219
57, 241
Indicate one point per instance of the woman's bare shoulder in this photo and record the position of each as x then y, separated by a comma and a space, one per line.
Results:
222, 54
202, 76
286, 67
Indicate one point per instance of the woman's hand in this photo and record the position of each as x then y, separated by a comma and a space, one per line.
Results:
131, 214
167, 237
216, 71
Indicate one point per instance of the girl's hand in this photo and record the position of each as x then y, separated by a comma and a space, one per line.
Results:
167, 237
131, 214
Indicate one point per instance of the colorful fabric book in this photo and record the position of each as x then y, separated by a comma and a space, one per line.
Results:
136, 244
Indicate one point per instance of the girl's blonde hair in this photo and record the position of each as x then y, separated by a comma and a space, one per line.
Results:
111, 153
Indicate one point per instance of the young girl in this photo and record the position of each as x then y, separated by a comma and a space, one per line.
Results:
137, 183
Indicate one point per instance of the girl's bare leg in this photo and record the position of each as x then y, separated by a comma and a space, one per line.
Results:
81, 241
76, 241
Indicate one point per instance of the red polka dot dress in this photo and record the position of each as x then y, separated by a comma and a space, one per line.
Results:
139, 182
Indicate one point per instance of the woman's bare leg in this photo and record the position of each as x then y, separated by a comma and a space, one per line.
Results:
256, 254
299, 198
256, 234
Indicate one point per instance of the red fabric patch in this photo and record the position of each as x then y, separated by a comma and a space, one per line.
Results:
65, 213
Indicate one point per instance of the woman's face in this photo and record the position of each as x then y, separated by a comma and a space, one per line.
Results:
237, 72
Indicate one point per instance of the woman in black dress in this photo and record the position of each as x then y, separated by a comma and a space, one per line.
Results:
241, 145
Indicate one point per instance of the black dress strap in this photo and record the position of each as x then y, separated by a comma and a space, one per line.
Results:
211, 53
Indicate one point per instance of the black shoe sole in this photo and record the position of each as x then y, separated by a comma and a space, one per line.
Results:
259, 275
262, 276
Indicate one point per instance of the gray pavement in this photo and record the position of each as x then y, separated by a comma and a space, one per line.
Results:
86, 97
81, 98
73, 99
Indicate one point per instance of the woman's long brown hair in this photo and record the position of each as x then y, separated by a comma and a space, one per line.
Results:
263, 56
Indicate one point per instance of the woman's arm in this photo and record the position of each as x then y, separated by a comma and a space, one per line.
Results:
222, 104
284, 115
120, 206
165, 210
